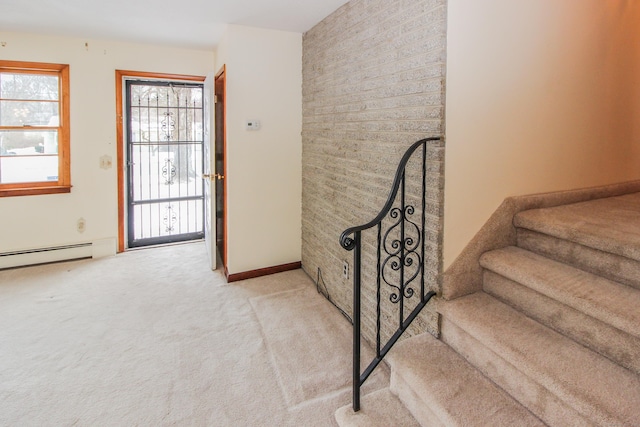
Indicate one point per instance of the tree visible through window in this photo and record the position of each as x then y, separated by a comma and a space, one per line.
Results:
34, 128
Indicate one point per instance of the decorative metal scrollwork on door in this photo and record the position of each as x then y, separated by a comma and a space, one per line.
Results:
168, 125
169, 218
168, 172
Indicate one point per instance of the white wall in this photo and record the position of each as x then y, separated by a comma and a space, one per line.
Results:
542, 95
264, 178
41, 221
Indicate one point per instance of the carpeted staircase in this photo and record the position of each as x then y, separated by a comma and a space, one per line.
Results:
552, 339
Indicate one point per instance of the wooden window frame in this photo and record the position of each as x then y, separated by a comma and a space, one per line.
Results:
63, 184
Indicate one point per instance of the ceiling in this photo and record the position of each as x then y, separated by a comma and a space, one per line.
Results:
186, 23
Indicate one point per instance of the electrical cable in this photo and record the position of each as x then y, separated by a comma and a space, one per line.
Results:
327, 296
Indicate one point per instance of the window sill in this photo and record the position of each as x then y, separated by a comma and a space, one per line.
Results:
33, 191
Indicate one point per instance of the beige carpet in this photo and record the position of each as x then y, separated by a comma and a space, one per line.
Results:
152, 337
309, 355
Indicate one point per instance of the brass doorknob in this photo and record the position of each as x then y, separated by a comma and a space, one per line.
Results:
218, 176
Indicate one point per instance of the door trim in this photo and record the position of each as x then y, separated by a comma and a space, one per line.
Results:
120, 160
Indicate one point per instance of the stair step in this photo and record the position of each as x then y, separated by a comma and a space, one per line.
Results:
554, 377
611, 266
605, 300
611, 224
378, 409
611, 342
435, 383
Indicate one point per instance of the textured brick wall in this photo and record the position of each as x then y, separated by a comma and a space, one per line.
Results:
373, 83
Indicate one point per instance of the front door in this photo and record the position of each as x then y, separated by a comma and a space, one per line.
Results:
208, 174
164, 144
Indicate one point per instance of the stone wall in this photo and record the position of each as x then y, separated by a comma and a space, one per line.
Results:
373, 83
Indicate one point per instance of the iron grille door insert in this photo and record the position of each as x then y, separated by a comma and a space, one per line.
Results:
165, 142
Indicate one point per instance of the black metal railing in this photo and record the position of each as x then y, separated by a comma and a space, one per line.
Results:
400, 260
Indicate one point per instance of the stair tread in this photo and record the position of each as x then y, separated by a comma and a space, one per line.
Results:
610, 224
606, 264
378, 409
608, 301
599, 336
596, 387
456, 392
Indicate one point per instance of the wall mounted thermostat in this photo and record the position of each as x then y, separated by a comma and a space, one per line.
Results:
252, 125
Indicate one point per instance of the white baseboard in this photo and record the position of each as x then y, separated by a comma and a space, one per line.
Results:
97, 249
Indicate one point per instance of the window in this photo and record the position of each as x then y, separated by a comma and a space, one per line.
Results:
34, 128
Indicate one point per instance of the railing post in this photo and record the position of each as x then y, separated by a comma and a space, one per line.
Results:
356, 322
424, 217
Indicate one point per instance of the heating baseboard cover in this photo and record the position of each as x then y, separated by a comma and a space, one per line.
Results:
95, 249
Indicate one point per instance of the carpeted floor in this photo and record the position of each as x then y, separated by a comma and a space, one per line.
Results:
153, 337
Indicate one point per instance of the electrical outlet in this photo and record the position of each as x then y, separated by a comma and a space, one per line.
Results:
82, 225
345, 270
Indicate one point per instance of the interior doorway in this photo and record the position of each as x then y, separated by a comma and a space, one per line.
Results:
160, 150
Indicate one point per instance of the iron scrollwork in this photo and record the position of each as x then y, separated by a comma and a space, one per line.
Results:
347, 242
168, 125
169, 219
401, 253
168, 172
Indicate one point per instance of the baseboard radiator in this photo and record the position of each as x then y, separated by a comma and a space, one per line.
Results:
26, 257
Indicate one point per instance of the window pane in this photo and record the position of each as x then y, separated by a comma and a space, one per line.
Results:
28, 169
19, 113
28, 86
28, 143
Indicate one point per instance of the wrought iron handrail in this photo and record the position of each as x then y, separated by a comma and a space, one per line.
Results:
403, 254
